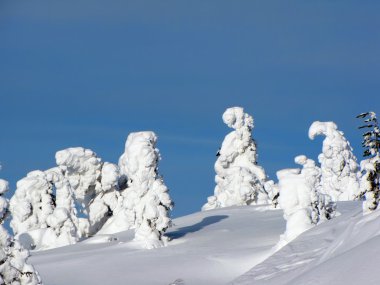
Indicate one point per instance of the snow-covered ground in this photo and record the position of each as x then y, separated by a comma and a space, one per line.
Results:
229, 245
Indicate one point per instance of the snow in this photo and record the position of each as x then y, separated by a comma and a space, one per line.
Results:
210, 247
232, 245
334, 252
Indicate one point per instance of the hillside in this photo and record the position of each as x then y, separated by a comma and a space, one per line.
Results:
224, 246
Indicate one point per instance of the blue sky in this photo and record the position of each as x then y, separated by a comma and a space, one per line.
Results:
87, 73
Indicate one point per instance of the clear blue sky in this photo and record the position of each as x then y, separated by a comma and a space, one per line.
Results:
87, 73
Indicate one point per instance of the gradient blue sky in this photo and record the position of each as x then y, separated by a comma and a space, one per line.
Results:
89, 72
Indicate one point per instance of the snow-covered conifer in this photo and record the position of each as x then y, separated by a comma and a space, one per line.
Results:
104, 205
370, 167
338, 163
63, 222
14, 268
32, 203
84, 171
239, 180
146, 202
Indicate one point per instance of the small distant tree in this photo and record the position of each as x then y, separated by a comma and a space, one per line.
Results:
370, 167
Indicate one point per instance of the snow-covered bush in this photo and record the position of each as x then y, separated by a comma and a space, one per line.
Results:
298, 202
299, 197
14, 268
338, 163
94, 184
145, 204
312, 175
239, 180
32, 203
370, 167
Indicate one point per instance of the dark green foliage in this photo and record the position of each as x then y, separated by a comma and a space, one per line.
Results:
370, 185
371, 139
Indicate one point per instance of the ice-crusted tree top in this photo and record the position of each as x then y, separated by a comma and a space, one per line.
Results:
82, 167
328, 129
334, 143
338, 163
4, 186
236, 118
140, 154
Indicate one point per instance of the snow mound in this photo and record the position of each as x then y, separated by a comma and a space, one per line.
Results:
342, 251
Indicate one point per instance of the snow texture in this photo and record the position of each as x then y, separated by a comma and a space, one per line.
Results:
210, 247
239, 180
343, 251
221, 246
338, 163
145, 203
14, 268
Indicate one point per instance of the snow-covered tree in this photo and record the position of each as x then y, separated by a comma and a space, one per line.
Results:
94, 187
32, 203
239, 180
63, 222
370, 167
43, 210
146, 202
14, 268
44, 207
338, 163
273, 192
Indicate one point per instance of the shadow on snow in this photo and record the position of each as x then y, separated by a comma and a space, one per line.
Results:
181, 232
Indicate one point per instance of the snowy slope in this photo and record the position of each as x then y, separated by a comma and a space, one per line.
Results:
212, 247
227, 246
345, 250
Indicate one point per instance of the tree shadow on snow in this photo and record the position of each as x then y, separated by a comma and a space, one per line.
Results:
181, 232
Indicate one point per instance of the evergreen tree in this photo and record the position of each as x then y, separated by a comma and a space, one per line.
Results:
370, 167
239, 180
338, 164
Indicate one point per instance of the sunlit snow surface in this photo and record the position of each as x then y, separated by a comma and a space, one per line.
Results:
229, 245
